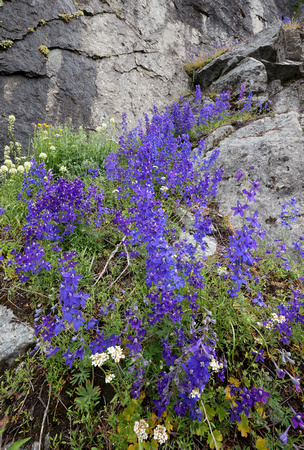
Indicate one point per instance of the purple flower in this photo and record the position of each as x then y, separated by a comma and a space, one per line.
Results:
297, 420
260, 395
259, 300
239, 209
283, 438
259, 355
238, 175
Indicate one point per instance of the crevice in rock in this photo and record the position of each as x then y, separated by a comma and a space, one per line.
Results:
200, 10
24, 73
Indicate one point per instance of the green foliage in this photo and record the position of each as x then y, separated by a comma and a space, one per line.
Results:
72, 152
87, 397
17, 445
44, 49
6, 43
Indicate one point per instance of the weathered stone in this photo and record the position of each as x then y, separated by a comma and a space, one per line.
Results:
217, 136
267, 45
249, 71
270, 149
283, 71
15, 338
211, 244
293, 44
287, 99
121, 56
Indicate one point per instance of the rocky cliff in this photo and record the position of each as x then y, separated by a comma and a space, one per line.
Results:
93, 59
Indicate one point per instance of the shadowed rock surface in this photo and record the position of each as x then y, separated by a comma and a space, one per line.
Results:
120, 56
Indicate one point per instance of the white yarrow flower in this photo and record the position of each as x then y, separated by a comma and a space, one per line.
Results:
43, 156
195, 393
12, 171
160, 434
110, 377
20, 168
99, 358
140, 429
164, 188
215, 365
116, 353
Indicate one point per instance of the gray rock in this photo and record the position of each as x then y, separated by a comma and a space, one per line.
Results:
287, 99
284, 70
121, 56
250, 71
273, 146
268, 45
15, 338
210, 242
217, 136
187, 219
293, 44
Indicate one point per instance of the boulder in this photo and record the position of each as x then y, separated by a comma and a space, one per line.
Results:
270, 149
284, 70
250, 71
267, 45
16, 338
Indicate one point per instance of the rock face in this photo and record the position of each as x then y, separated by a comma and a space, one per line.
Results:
15, 338
120, 56
270, 149
272, 54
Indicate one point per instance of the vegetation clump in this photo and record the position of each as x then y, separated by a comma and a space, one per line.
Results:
141, 344
6, 43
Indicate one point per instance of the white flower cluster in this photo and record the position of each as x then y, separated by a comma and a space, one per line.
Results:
222, 270
43, 156
160, 434
110, 377
164, 188
99, 358
275, 318
63, 169
10, 168
195, 393
115, 352
215, 365
140, 429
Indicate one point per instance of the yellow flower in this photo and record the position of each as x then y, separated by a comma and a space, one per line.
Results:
39, 124
60, 131
50, 143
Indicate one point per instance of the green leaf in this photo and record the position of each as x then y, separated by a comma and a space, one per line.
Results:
17, 445
243, 426
87, 396
201, 429
221, 412
210, 412
218, 440
261, 444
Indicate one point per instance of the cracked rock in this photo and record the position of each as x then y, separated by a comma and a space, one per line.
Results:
16, 338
